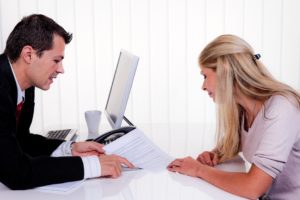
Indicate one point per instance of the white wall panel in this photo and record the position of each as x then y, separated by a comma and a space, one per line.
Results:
159, 71
234, 16
290, 65
215, 16
167, 101
178, 74
27, 7
85, 60
272, 31
48, 8
253, 23
104, 58
140, 26
9, 14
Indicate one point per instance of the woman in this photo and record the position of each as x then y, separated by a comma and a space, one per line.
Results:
257, 115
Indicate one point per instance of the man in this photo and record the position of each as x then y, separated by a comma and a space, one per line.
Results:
33, 58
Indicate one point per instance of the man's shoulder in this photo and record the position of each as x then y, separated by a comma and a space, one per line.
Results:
3, 69
4, 64
3, 59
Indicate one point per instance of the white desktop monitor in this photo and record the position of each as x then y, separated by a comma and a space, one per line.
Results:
120, 88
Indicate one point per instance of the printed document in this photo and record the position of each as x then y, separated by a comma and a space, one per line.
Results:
140, 151
134, 146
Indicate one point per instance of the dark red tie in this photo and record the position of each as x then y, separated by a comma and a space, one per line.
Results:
18, 112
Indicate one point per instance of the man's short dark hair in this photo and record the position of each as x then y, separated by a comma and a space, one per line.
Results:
36, 31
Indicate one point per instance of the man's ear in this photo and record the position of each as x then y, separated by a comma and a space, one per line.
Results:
27, 54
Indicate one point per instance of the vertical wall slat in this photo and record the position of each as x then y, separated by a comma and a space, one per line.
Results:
290, 46
159, 71
85, 60
215, 18
234, 17
103, 50
177, 74
253, 23
271, 33
9, 17
121, 26
141, 85
27, 7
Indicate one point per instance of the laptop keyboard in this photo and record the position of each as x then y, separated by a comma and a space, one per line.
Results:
64, 134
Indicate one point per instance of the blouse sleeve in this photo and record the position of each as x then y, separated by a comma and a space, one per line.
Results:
281, 130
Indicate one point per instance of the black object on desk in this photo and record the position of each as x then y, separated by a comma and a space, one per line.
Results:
110, 136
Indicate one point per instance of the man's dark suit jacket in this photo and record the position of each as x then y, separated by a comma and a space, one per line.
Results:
25, 160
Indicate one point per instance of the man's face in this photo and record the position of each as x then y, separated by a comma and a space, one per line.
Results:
42, 70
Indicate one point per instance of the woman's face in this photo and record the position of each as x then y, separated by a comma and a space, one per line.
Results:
209, 83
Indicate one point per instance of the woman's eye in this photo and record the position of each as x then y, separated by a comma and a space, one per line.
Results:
56, 61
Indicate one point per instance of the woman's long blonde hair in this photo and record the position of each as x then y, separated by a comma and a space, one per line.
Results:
236, 68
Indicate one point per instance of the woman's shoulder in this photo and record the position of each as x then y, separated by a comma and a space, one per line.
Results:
282, 103
275, 99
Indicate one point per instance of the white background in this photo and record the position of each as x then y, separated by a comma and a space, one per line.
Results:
168, 35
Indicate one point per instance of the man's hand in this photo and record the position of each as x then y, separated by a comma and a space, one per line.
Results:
87, 149
111, 165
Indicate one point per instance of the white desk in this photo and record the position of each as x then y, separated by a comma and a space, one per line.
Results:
136, 185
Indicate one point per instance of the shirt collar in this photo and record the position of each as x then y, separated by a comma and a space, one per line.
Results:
21, 94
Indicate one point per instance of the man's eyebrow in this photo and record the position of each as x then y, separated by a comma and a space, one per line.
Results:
60, 57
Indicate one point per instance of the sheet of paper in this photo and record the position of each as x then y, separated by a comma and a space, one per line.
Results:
139, 150
61, 187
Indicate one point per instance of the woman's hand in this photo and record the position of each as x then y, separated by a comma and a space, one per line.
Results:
187, 166
87, 149
208, 158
